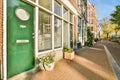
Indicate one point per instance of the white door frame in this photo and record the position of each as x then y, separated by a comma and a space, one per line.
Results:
4, 39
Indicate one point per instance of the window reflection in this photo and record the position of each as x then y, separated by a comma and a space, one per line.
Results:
45, 32
65, 13
57, 33
57, 8
65, 34
46, 4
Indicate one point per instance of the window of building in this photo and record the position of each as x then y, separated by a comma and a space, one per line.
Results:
46, 40
57, 8
65, 13
45, 31
46, 4
57, 32
71, 17
65, 34
71, 35
79, 29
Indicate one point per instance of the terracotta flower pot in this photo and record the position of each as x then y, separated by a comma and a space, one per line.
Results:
69, 55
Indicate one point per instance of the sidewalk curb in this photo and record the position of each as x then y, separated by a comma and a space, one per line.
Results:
115, 67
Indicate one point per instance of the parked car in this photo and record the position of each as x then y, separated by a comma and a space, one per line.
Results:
116, 39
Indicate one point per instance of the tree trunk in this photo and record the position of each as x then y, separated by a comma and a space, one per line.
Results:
116, 33
107, 35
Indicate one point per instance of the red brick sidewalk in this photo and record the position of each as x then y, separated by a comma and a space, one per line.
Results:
89, 64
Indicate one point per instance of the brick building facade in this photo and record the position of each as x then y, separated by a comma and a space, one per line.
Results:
92, 19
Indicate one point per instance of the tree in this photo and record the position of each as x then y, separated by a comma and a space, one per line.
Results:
117, 28
89, 38
108, 28
116, 19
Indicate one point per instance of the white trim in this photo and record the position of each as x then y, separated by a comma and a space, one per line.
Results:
52, 25
47, 51
62, 28
70, 6
68, 28
58, 49
22, 75
36, 30
4, 39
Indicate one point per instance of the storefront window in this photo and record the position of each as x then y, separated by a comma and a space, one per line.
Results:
65, 13
57, 33
46, 4
65, 34
57, 8
45, 31
71, 35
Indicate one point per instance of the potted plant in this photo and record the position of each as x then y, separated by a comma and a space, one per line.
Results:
47, 62
68, 53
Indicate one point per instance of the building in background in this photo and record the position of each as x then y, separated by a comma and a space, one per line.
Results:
81, 21
92, 19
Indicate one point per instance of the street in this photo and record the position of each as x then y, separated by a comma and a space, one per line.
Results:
113, 53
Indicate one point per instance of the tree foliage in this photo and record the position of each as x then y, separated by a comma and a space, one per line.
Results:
108, 27
116, 19
89, 38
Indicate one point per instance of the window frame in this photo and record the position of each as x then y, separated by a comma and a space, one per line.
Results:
53, 14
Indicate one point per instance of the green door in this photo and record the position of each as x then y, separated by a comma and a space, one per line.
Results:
20, 42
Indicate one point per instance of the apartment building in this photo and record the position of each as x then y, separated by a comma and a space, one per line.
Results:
35, 28
92, 19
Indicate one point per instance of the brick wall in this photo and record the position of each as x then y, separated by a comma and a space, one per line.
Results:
92, 17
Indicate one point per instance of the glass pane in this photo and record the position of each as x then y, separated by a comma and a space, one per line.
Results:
79, 29
57, 8
71, 35
65, 14
45, 31
71, 17
33, 0
57, 33
46, 4
65, 34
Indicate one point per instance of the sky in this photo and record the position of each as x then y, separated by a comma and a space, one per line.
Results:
104, 7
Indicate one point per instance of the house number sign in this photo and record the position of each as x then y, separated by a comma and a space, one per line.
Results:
22, 14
